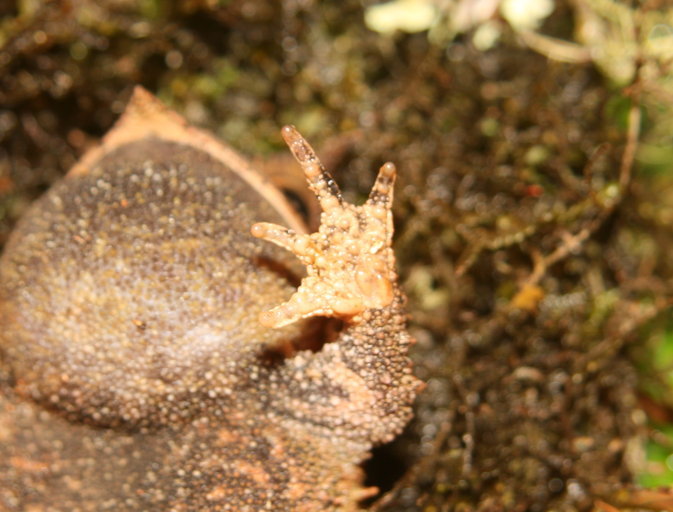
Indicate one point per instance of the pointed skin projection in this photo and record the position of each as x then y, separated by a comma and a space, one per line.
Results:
349, 261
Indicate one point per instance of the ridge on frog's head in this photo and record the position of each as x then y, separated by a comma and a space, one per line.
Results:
349, 261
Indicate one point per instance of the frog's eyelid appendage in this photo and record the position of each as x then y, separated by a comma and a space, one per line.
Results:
349, 260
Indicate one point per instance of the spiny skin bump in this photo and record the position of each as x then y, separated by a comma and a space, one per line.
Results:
134, 372
349, 261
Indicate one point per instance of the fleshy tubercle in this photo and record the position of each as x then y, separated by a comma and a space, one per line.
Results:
349, 261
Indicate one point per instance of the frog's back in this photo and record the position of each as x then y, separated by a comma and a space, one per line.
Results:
129, 297
146, 279
213, 463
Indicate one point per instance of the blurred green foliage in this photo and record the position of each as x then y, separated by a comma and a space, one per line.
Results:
659, 468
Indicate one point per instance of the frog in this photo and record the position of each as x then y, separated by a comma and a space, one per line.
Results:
175, 339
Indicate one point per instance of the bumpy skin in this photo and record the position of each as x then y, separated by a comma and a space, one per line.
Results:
135, 374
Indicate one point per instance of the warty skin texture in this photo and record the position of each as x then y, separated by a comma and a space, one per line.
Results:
135, 374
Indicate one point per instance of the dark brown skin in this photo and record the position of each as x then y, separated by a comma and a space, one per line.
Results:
135, 372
